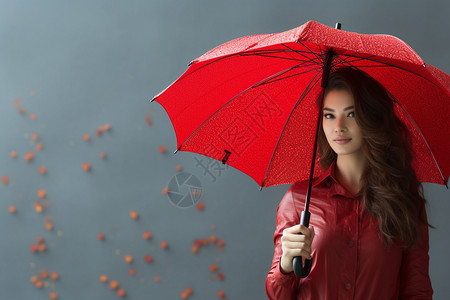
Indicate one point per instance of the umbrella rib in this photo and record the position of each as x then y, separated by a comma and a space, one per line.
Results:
318, 58
385, 64
271, 56
421, 135
249, 88
249, 53
282, 78
289, 49
342, 61
315, 61
300, 99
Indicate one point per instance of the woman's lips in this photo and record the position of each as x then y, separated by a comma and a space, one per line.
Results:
342, 141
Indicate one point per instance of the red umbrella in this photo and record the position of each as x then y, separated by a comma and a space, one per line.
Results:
251, 102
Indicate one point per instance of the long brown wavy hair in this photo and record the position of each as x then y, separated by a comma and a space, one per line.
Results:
390, 189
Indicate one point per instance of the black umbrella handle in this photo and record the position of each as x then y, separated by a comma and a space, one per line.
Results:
302, 270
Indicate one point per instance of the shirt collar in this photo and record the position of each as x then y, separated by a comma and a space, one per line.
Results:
326, 175
328, 180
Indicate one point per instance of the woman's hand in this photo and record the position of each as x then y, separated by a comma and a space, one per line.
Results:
295, 244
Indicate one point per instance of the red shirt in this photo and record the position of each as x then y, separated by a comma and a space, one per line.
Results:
350, 261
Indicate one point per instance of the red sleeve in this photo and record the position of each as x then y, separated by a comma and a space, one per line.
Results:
415, 281
279, 285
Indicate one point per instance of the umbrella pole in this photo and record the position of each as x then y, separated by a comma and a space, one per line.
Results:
302, 269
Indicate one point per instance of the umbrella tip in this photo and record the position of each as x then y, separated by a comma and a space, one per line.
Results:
175, 152
154, 98
338, 26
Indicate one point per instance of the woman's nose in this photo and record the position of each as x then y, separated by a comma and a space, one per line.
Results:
340, 125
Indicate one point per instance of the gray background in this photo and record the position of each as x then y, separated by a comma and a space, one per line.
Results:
80, 64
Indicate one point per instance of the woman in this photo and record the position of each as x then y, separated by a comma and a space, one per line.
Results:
368, 233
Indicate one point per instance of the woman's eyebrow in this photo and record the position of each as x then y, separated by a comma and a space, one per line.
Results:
347, 108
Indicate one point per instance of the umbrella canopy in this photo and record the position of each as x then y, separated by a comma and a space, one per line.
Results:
252, 102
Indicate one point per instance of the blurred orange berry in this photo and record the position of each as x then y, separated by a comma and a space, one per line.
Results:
213, 239
194, 249
156, 278
184, 295
188, 290
179, 168
38, 207
146, 235
200, 206
34, 279
102, 155
39, 147
38, 284
12, 209
17, 102
162, 149
98, 133
34, 248
54, 276
213, 267
43, 274
42, 193
220, 276
42, 170
29, 156
101, 236
53, 295
128, 259
34, 136
113, 284
48, 226
86, 137
103, 278
148, 258
42, 247
33, 116
5, 179
40, 240
220, 294
134, 215
105, 127
21, 110
220, 243
86, 166
148, 121
13, 154
131, 272
121, 293
164, 245
165, 191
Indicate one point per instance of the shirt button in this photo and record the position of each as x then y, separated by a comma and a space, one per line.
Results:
350, 244
347, 286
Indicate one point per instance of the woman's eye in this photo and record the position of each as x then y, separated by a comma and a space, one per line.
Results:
328, 116
352, 114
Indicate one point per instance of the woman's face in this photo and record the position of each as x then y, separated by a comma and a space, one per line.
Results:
339, 123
